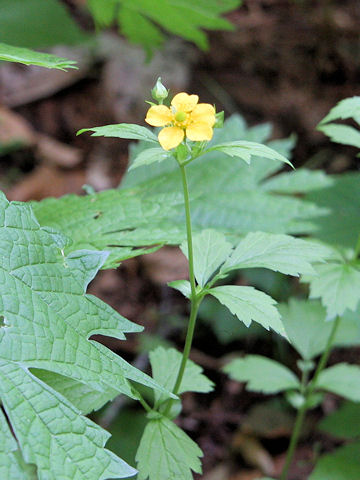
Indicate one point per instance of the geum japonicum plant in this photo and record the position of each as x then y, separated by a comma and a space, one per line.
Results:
165, 451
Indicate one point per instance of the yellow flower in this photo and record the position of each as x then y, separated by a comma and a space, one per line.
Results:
185, 117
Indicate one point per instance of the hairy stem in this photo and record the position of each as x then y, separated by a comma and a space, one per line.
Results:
309, 390
195, 302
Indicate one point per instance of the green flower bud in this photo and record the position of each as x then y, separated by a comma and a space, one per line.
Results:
159, 92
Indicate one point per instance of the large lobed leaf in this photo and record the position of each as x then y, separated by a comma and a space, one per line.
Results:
47, 321
342, 464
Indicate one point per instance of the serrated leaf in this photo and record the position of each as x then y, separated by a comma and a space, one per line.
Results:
342, 464
149, 156
308, 331
249, 304
166, 452
12, 466
38, 24
347, 108
8, 53
47, 321
342, 134
210, 251
338, 287
342, 379
280, 253
165, 364
343, 423
262, 374
129, 131
246, 150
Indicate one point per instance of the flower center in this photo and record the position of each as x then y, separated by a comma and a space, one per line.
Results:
180, 116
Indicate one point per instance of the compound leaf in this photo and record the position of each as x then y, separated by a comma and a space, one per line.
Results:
342, 379
262, 374
165, 452
249, 304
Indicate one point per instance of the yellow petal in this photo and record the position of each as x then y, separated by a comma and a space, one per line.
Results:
204, 113
184, 102
170, 137
159, 116
199, 132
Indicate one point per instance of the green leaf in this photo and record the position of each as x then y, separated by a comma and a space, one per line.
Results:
342, 464
245, 150
210, 251
38, 24
183, 286
347, 108
280, 253
308, 331
47, 321
12, 466
9, 53
338, 287
299, 181
165, 364
343, 202
166, 452
82, 396
151, 211
249, 304
344, 423
262, 374
149, 156
342, 379
122, 130
342, 134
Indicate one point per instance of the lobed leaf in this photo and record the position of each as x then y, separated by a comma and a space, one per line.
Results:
249, 304
149, 156
165, 452
262, 374
47, 321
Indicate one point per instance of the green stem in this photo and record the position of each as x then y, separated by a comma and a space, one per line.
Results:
308, 391
195, 302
